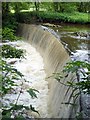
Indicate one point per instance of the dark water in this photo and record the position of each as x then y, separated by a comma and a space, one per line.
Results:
77, 39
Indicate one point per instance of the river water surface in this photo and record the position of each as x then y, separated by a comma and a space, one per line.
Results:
79, 46
76, 40
32, 67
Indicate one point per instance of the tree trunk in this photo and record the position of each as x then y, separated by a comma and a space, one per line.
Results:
37, 6
5, 9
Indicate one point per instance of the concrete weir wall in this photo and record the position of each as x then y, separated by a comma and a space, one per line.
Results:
55, 57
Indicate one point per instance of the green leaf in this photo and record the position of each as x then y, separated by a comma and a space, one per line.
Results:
33, 109
9, 74
11, 52
32, 92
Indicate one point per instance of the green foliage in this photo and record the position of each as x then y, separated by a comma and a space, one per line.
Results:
0, 33
80, 84
17, 6
9, 74
11, 52
10, 22
64, 7
79, 67
84, 86
44, 6
32, 92
83, 83
54, 11
57, 76
75, 17
33, 109
74, 66
61, 7
68, 7
5, 8
83, 6
16, 108
37, 6
8, 34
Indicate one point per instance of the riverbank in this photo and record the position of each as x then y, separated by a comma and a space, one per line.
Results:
53, 17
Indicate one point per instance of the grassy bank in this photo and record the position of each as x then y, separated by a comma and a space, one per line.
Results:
28, 17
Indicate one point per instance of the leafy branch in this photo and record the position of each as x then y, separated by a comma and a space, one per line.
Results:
9, 74
32, 92
11, 52
82, 71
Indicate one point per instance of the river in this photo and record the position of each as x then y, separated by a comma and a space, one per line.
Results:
32, 67
76, 40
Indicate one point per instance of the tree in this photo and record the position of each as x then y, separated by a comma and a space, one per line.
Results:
56, 6
64, 6
18, 6
5, 9
36, 5
83, 6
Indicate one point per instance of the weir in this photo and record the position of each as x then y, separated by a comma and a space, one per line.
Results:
55, 58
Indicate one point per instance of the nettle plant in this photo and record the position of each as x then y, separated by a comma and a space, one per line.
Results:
9, 75
9, 51
8, 34
82, 71
81, 83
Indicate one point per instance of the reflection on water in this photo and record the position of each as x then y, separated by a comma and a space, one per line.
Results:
75, 44
77, 38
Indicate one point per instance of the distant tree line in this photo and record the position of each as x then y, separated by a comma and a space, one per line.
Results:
52, 6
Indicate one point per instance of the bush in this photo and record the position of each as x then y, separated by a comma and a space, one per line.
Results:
11, 52
9, 74
8, 34
73, 17
83, 77
10, 21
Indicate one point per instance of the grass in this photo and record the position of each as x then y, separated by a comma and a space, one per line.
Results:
41, 16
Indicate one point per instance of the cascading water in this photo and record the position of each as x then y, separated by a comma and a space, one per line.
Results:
76, 40
55, 58
32, 67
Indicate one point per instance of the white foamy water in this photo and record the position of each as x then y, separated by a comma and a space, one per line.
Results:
33, 70
82, 55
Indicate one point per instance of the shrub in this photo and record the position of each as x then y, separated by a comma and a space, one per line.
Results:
9, 74
8, 34
73, 17
10, 21
11, 52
